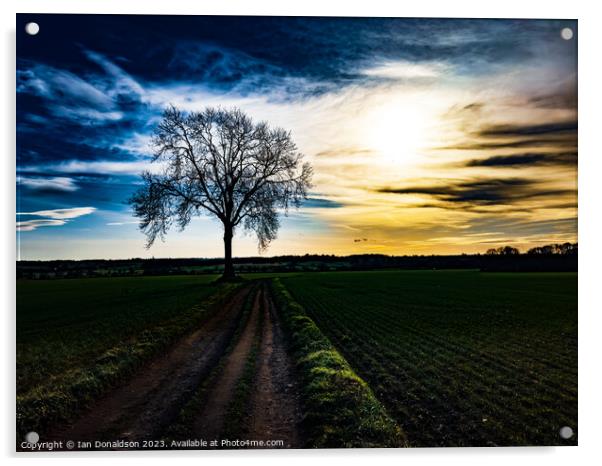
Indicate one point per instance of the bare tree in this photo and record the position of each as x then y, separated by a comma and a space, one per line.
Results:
219, 162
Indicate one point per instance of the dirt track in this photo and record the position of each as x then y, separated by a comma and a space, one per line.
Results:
210, 420
275, 410
146, 406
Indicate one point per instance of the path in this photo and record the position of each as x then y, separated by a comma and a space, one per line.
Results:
146, 406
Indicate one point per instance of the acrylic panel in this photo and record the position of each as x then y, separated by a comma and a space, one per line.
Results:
295, 232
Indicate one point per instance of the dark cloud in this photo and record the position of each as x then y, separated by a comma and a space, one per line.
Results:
223, 50
552, 142
526, 159
561, 97
500, 209
529, 130
81, 94
482, 192
561, 135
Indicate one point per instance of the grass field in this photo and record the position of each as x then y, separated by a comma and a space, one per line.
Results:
457, 357
77, 338
65, 324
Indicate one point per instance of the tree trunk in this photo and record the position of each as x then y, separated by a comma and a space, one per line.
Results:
228, 265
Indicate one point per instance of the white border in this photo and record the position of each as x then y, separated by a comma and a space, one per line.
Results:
590, 301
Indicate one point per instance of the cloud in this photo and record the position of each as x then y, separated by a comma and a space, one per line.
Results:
568, 159
345, 152
53, 83
100, 167
529, 130
58, 183
122, 84
134, 222
67, 95
360, 96
524, 229
515, 144
56, 217
482, 192
561, 134
223, 66
87, 115
61, 214
406, 70
136, 143
30, 225
562, 97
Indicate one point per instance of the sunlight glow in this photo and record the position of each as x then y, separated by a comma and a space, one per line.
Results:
401, 128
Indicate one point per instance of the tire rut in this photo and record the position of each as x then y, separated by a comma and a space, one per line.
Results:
210, 421
275, 412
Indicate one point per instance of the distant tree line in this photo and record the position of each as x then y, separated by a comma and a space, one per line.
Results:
564, 249
503, 251
555, 257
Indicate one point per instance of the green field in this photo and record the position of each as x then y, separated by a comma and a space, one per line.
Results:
457, 357
64, 325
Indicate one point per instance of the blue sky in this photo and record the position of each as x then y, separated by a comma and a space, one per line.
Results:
426, 135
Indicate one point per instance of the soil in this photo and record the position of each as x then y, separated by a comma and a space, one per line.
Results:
210, 421
275, 408
144, 407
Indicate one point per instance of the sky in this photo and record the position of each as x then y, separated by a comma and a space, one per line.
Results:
427, 136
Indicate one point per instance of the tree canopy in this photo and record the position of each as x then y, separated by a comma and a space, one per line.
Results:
219, 162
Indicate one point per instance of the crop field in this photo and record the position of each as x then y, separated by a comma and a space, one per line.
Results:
378, 358
458, 358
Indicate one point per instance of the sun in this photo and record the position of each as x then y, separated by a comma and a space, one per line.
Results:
400, 130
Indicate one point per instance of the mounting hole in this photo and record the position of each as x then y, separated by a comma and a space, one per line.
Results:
32, 437
32, 28
566, 33
566, 432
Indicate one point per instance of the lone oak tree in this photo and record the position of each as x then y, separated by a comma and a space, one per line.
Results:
219, 162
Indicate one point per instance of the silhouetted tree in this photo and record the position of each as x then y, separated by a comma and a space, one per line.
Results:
509, 251
564, 249
219, 162
502, 251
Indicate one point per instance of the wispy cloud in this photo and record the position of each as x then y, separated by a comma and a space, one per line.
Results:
122, 223
122, 84
406, 70
101, 167
370, 102
57, 183
529, 159
564, 127
136, 143
480, 192
68, 95
55, 217
30, 225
